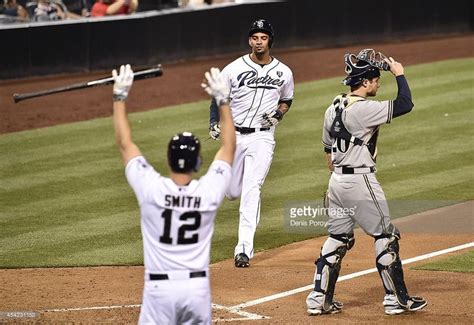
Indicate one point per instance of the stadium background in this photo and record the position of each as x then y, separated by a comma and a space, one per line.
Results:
58, 208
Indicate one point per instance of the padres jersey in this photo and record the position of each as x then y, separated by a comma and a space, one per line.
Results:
362, 119
256, 89
177, 222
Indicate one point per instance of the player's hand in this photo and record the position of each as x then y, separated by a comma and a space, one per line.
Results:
216, 87
122, 82
395, 67
215, 131
271, 119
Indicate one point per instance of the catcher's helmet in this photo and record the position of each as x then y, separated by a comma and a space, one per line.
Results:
366, 65
184, 153
262, 26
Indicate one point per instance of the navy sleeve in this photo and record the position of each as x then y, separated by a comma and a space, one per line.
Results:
287, 102
213, 113
402, 104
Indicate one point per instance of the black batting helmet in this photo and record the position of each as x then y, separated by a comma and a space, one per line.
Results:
263, 26
366, 65
184, 153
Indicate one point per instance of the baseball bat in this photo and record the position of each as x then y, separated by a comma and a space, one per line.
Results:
153, 72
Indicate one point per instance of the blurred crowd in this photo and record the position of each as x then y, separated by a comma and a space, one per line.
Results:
13, 11
48, 10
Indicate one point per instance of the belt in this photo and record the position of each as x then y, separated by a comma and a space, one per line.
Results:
164, 276
243, 130
350, 170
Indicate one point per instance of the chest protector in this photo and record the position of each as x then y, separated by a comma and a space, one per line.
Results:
338, 129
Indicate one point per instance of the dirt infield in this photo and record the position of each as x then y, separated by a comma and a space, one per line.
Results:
180, 82
112, 294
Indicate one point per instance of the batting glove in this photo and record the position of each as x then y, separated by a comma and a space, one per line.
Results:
271, 119
122, 82
215, 131
216, 87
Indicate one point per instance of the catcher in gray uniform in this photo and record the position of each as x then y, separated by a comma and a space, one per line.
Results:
351, 128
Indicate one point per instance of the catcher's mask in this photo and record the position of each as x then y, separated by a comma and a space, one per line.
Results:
263, 26
184, 153
366, 65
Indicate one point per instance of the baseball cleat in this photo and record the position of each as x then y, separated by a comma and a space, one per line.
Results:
242, 260
392, 307
416, 303
335, 308
314, 311
315, 302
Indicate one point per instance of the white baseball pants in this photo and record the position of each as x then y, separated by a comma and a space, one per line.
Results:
252, 161
178, 301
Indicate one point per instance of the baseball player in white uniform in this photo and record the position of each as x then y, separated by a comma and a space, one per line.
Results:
350, 132
177, 212
261, 93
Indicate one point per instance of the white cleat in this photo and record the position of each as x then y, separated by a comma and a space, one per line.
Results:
315, 308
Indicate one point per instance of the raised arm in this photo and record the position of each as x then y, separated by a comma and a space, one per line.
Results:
403, 103
217, 88
214, 127
123, 133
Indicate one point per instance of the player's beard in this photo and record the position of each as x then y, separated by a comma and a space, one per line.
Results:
372, 93
261, 52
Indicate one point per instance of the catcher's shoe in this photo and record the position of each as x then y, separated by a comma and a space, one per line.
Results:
392, 307
314, 302
242, 260
416, 303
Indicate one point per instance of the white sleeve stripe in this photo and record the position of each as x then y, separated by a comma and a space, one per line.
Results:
390, 111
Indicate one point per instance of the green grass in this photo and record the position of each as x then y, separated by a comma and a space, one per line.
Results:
65, 201
459, 263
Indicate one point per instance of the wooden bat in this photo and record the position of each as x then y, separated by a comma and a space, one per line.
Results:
153, 72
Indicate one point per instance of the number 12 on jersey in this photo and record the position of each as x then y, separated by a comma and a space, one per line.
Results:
184, 238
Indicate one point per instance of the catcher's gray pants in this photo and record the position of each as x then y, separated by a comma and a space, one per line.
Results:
357, 198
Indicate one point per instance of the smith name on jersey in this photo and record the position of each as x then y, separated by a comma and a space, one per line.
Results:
179, 201
177, 220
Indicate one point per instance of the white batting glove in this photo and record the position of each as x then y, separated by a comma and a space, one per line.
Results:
271, 119
215, 131
216, 87
122, 82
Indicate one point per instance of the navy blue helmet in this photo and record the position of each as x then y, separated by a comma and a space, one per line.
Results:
184, 153
262, 26
366, 65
